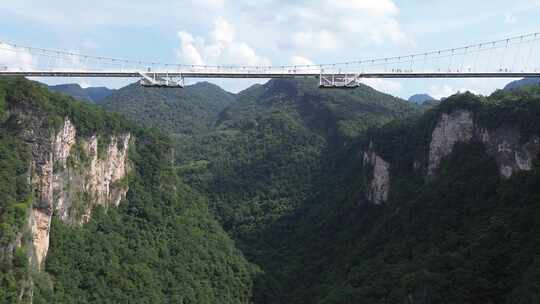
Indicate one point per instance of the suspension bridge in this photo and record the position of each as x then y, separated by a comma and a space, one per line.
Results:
511, 57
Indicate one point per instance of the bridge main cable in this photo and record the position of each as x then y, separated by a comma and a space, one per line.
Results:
432, 64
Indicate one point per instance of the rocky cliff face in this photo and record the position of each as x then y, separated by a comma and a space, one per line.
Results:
504, 143
379, 185
450, 129
70, 175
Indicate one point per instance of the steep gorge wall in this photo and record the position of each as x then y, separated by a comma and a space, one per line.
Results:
505, 144
379, 184
451, 128
70, 176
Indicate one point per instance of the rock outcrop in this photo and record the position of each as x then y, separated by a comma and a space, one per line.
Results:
451, 128
379, 184
71, 176
504, 144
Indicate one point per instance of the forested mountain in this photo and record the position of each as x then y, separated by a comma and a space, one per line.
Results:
341, 113
94, 212
91, 94
421, 98
427, 210
189, 110
332, 196
269, 148
267, 152
528, 81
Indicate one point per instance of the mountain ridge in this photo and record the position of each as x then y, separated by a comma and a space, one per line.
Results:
528, 81
90, 94
331, 196
174, 110
94, 212
421, 98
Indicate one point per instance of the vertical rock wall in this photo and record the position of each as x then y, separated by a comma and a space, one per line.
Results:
450, 129
379, 186
503, 143
69, 182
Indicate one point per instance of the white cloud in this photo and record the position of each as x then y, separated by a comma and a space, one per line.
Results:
441, 91
89, 44
212, 4
20, 59
84, 84
330, 25
446, 90
188, 51
384, 85
222, 48
15, 59
304, 64
299, 60
223, 31
510, 19
318, 28
322, 40
373, 7
242, 53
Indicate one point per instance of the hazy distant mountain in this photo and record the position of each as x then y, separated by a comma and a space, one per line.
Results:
522, 82
421, 98
92, 94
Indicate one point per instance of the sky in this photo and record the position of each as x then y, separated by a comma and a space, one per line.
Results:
267, 32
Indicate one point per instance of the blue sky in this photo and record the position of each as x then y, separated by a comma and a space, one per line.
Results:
268, 32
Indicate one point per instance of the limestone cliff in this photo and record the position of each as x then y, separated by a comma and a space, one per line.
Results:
504, 143
379, 184
508, 147
70, 175
451, 129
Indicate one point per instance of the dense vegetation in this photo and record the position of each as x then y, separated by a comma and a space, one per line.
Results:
270, 155
258, 159
175, 111
283, 174
23, 95
466, 236
527, 81
161, 245
268, 152
92, 94
49, 109
335, 114
271, 148
279, 166
14, 204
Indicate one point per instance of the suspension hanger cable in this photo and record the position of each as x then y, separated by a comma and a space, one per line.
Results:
385, 60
